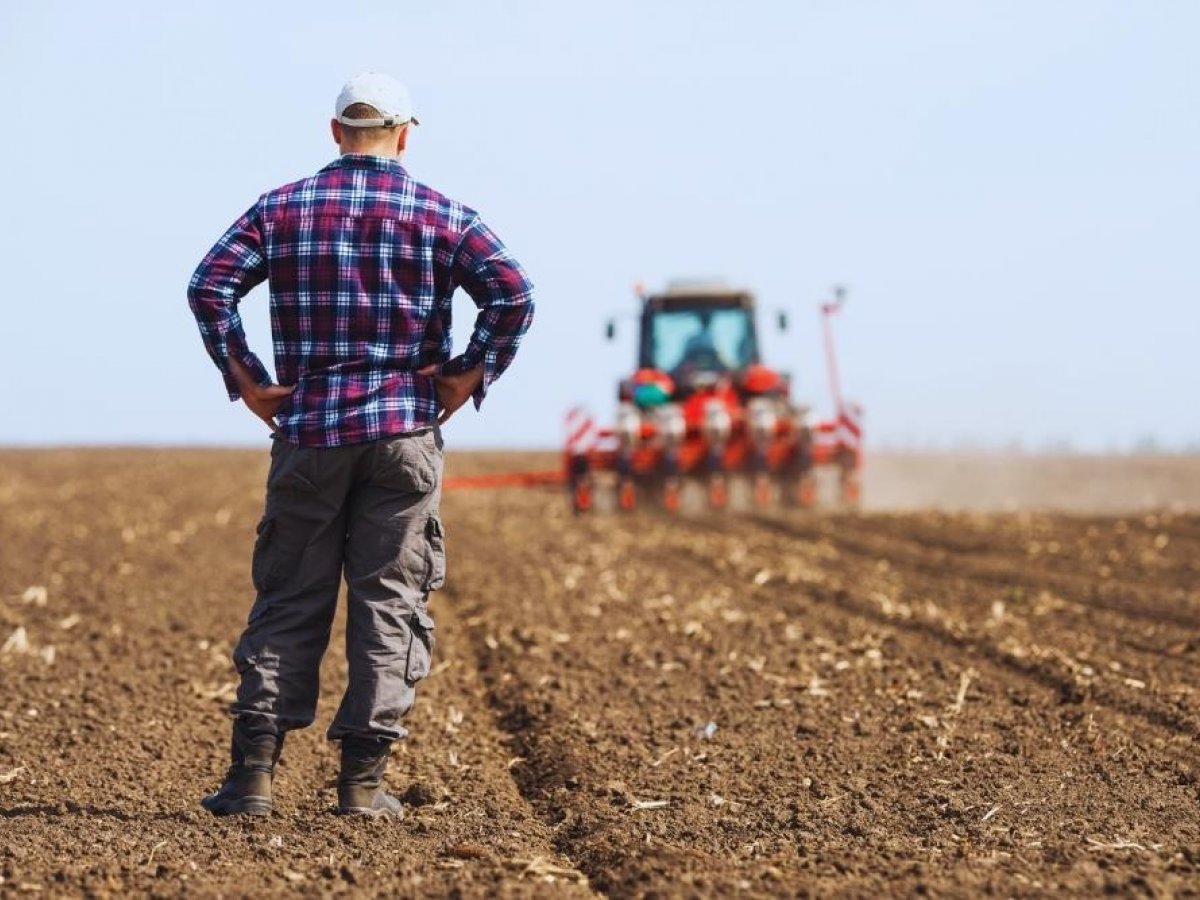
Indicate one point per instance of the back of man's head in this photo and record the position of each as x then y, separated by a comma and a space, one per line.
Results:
382, 105
360, 138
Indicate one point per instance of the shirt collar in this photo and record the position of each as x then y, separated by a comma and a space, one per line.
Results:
367, 161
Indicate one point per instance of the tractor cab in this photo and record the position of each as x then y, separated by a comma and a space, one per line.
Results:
698, 334
692, 334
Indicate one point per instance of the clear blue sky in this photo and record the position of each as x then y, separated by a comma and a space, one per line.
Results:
1009, 189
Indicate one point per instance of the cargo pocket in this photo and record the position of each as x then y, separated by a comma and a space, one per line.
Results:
435, 561
420, 647
281, 542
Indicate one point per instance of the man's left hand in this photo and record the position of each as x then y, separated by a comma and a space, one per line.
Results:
453, 390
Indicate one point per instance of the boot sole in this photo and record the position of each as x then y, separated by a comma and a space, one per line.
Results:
368, 812
247, 806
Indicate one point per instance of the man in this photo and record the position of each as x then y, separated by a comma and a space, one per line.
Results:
700, 352
361, 261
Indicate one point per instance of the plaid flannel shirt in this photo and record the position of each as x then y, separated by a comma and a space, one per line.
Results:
361, 261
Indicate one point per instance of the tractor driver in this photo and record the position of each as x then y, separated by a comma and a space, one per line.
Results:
700, 353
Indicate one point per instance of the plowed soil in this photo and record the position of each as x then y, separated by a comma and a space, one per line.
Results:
765, 703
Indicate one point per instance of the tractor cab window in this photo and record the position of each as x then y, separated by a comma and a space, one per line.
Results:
702, 340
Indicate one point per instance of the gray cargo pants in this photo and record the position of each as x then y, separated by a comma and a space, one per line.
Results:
370, 510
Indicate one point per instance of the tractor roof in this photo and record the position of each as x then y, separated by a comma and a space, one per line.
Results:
688, 294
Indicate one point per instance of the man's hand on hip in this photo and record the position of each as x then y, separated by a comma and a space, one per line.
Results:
262, 400
453, 390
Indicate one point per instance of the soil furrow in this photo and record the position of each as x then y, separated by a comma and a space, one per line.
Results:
1047, 662
1129, 599
1174, 647
1154, 547
1064, 683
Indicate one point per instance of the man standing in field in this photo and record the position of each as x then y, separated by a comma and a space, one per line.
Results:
361, 262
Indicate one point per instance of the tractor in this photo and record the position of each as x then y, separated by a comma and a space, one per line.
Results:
702, 408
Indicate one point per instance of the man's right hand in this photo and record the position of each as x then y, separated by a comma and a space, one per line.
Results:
263, 400
453, 390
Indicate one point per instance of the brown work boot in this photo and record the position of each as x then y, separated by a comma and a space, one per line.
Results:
246, 790
360, 790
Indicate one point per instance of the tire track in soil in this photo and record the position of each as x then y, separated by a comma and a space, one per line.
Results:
1154, 546
1065, 685
533, 770
1162, 693
958, 558
544, 770
557, 699
472, 739
1121, 597
1057, 670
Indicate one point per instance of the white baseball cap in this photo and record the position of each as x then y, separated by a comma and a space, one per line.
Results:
381, 91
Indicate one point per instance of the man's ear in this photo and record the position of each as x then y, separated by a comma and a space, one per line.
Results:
402, 139
335, 128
